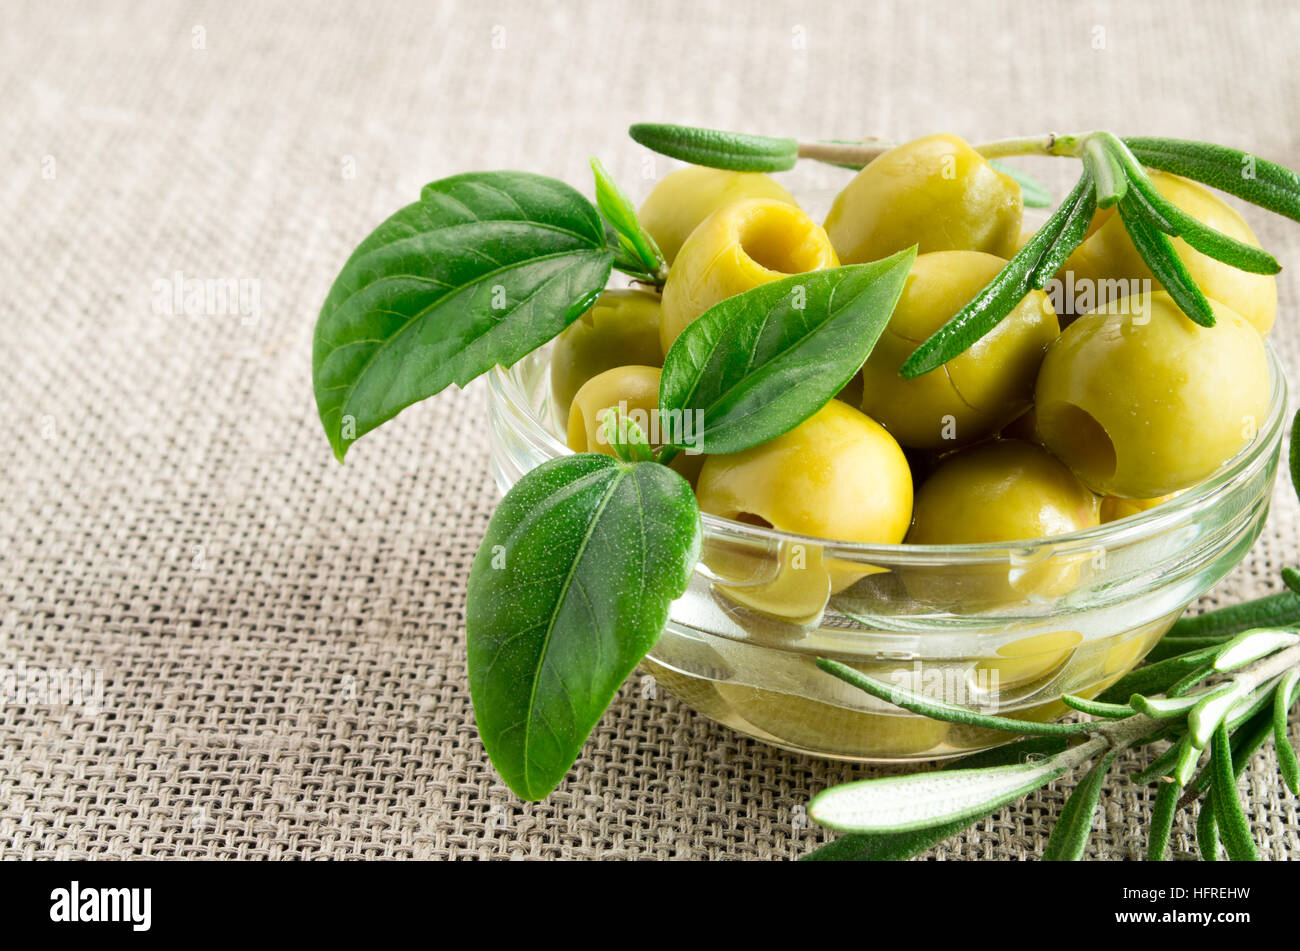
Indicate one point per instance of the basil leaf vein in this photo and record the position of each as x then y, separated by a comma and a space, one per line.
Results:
483, 269
758, 364
569, 590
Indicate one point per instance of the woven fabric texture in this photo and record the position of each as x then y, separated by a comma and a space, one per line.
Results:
281, 639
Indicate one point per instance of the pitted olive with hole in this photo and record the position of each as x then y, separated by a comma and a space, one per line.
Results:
738, 247
837, 475
935, 192
1003, 490
621, 329
677, 205
633, 390
1108, 266
1140, 402
975, 393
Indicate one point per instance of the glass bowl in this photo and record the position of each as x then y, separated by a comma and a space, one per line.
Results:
1003, 628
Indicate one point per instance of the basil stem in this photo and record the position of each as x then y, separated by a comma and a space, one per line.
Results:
635, 250
1029, 270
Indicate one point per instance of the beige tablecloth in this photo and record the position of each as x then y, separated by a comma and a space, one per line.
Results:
280, 638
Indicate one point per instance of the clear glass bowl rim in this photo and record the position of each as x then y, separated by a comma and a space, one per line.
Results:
504, 384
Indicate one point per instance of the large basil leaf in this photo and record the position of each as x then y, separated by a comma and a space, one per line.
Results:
569, 590
483, 269
758, 364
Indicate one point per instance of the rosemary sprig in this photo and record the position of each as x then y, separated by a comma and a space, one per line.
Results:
1229, 720
1028, 270
1113, 175
1118, 179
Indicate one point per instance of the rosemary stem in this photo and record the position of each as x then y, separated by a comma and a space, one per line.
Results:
1269, 667
860, 153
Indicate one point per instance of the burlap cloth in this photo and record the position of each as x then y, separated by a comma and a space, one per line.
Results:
281, 638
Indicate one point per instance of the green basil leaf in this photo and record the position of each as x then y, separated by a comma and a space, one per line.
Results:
1238, 173
1033, 192
758, 364
569, 589
734, 151
482, 270
1073, 827
633, 240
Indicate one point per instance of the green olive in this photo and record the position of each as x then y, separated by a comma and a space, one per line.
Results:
739, 246
1140, 401
1113, 508
975, 393
836, 475
830, 728
1030, 658
635, 391
687, 196
1024, 426
1107, 265
1000, 491
621, 328
937, 193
